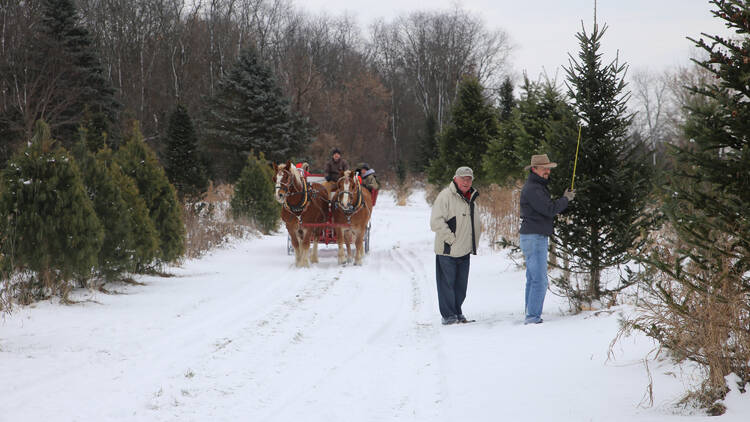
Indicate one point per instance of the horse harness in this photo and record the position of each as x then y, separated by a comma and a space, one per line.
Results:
299, 209
351, 210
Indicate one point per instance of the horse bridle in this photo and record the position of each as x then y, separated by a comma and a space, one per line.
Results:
354, 206
284, 187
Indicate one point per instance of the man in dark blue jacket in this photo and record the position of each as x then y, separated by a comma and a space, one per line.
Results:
538, 211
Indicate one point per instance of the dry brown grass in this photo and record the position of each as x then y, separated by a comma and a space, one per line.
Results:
706, 321
500, 211
431, 192
404, 190
402, 195
26, 287
208, 224
5, 302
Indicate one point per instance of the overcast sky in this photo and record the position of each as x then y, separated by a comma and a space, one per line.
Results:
649, 34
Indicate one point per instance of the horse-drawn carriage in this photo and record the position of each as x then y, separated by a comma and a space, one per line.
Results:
328, 234
314, 213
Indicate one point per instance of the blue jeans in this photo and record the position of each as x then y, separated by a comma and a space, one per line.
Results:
452, 280
534, 247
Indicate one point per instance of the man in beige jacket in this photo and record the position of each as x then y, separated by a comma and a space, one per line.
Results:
457, 229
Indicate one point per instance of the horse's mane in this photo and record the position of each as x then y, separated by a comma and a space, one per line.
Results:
297, 176
294, 173
349, 173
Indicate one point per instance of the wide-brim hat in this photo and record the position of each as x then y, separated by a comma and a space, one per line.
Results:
540, 160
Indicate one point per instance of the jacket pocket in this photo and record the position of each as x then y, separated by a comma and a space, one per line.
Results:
446, 249
452, 224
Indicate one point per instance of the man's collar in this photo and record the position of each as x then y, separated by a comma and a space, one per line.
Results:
537, 178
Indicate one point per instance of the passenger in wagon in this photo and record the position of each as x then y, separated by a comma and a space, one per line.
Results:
368, 177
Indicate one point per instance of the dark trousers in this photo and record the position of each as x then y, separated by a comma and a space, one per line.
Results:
452, 280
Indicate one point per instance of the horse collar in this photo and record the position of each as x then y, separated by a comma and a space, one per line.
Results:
354, 208
298, 209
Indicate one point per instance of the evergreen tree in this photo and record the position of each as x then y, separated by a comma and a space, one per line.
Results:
183, 165
608, 216
47, 220
139, 162
507, 101
118, 247
702, 278
253, 195
464, 140
97, 129
11, 138
428, 144
68, 63
145, 236
527, 132
250, 113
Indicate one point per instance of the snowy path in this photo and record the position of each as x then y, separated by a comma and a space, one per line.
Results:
242, 335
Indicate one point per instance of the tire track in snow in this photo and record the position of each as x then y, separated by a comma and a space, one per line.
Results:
362, 328
426, 332
266, 334
295, 364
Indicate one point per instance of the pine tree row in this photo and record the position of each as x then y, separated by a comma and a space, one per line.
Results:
88, 200
85, 217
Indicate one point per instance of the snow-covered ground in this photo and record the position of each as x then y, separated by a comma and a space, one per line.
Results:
242, 335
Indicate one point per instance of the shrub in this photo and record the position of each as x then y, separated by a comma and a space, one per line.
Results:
139, 162
253, 195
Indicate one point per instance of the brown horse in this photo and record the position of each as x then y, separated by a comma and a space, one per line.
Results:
352, 207
301, 203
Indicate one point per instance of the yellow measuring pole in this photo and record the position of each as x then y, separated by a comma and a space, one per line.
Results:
575, 163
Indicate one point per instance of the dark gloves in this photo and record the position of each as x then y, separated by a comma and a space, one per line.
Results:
570, 194
329, 179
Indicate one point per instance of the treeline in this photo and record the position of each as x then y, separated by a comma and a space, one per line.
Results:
379, 98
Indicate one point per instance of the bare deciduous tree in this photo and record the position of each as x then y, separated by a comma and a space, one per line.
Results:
426, 54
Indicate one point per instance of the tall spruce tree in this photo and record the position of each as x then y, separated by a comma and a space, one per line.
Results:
464, 140
702, 278
613, 184
182, 162
250, 113
68, 64
47, 221
139, 162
